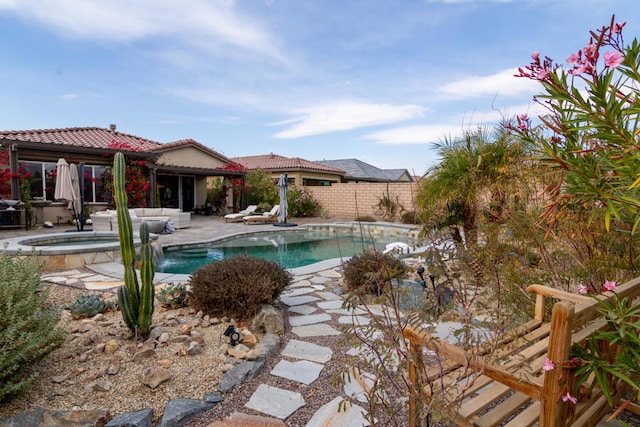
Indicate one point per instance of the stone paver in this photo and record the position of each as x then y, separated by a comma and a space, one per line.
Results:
309, 319
329, 305
302, 309
319, 280
304, 299
302, 371
317, 330
275, 401
330, 273
308, 351
329, 296
354, 320
333, 414
297, 292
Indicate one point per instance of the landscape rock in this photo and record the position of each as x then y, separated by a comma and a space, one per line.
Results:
179, 411
214, 397
111, 346
142, 418
239, 351
243, 372
42, 418
269, 320
194, 348
267, 347
247, 338
153, 377
144, 353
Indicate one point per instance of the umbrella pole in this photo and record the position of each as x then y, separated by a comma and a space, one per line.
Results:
80, 217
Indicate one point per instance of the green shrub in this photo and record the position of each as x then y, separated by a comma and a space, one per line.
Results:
260, 188
371, 272
236, 287
301, 202
28, 329
89, 306
264, 207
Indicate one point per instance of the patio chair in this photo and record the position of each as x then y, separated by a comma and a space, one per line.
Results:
270, 216
236, 217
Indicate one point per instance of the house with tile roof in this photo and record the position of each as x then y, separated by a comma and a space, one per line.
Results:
299, 171
177, 171
359, 171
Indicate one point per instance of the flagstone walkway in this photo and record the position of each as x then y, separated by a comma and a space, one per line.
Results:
311, 301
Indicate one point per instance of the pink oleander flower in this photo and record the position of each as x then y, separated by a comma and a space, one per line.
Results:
589, 50
548, 365
582, 289
617, 27
535, 55
543, 74
581, 68
568, 398
609, 285
573, 58
613, 59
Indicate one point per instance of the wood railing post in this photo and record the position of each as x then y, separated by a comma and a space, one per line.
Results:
539, 314
553, 410
415, 352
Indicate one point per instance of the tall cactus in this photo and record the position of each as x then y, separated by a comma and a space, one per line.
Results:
136, 303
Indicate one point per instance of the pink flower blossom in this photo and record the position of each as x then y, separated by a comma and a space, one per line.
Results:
573, 58
617, 27
589, 50
548, 365
535, 55
568, 398
613, 59
543, 74
609, 285
582, 289
581, 68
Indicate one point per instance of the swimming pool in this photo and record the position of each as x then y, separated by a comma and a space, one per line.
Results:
289, 249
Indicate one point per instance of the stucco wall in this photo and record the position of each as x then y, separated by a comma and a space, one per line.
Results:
350, 200
191, 157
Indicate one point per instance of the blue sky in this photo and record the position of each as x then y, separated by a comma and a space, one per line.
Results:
319, 79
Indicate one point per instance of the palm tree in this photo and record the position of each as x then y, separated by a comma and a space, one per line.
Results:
472, 172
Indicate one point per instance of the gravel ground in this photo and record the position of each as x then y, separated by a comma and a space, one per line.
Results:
74, 376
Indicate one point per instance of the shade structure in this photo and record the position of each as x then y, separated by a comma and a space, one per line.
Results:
282, 192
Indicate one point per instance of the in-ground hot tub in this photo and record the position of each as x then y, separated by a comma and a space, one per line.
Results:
66, 251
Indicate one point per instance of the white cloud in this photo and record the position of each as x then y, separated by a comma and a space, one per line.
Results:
346, 116
196, 22
69, 96
503, 83
425, 134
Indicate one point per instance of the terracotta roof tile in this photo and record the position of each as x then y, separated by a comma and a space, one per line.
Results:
276, 162
89, 137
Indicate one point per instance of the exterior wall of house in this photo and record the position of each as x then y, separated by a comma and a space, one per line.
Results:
300, 176
351, 200
189, 156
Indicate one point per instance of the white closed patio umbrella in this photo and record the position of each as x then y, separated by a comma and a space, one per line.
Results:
284, 204
68, 188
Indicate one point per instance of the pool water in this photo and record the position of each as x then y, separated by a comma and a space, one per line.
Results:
288, 249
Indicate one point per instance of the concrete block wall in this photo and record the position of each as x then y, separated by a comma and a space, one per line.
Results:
350, 200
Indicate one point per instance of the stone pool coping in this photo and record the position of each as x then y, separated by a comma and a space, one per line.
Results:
70, 256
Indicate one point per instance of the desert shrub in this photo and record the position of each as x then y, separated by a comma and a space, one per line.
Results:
371, 272
301, 202
28, 329
237, 286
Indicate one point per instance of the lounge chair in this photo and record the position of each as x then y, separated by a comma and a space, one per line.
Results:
236, 217
270, 216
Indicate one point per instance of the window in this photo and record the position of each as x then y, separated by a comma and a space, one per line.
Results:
95, 178
41, 178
